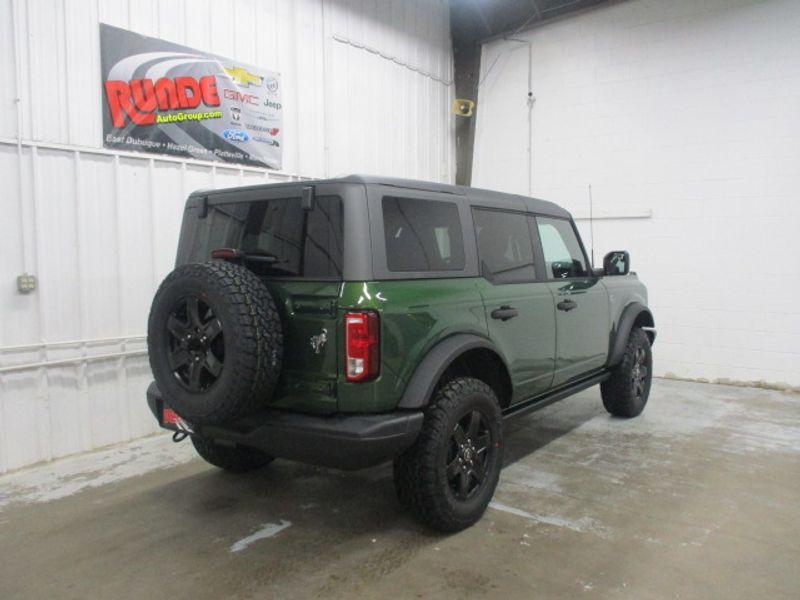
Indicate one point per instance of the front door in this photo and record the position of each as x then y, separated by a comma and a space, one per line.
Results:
519, 308
581, 300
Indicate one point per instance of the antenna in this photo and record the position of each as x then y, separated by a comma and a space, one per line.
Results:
591, 224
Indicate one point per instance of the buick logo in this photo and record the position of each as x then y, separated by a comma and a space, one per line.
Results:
271, 84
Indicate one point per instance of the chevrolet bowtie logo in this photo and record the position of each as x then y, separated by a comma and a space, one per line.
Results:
242, 76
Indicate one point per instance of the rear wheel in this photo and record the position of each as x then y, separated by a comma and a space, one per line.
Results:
236, 459
449, 475
625, 393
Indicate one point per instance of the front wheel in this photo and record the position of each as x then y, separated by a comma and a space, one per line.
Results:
625, 393
236, 459
450, 473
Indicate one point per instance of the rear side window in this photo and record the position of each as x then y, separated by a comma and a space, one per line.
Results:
422, 235
562, 252
305, 244
504, 245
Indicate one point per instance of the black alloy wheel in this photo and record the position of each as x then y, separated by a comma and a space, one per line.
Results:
627, 388
196, 351
447, 477
639, 373
467, 456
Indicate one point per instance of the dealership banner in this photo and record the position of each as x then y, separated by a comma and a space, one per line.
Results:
169, 99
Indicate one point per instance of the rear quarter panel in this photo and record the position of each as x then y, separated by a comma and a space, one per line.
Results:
415, 315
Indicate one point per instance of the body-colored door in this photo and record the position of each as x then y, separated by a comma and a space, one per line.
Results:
582, 327
581, 302
528, 338
519, 308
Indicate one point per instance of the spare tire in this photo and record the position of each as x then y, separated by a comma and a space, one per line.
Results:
215, 342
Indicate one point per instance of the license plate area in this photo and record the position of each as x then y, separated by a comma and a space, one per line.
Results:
173, 421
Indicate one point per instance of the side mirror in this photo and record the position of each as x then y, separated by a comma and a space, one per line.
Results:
617, 262
561, 269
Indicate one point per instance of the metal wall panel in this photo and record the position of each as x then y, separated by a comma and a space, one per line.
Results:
367, 88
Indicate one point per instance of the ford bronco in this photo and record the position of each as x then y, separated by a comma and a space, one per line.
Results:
353, 321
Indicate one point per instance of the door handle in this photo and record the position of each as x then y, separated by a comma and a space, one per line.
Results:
566, 305
504, 313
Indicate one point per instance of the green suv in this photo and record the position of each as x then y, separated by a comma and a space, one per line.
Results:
348, 322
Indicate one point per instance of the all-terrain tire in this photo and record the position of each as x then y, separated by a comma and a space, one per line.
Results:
248, 341
625, 393
421, 474
236, 459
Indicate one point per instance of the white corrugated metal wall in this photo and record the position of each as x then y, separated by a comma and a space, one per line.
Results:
367, 87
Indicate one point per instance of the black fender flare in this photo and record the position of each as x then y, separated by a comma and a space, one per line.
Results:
431, 368
620, 337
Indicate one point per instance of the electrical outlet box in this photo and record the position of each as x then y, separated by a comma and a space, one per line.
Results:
26, 283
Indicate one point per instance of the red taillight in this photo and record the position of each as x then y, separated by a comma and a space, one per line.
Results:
362, 345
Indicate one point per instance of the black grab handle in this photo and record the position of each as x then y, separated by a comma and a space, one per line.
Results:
504, 313
566, 305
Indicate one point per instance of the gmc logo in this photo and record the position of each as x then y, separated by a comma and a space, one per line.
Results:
238, 96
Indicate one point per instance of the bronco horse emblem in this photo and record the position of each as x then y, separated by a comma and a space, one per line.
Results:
318, 341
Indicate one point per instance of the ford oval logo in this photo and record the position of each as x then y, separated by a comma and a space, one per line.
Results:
235, 135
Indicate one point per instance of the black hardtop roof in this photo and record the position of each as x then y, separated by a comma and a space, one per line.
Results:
478, 194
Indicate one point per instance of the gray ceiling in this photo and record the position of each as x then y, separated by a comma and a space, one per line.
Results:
475, 20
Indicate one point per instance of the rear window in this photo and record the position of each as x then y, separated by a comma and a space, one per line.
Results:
504, 245
422, 235
303, 243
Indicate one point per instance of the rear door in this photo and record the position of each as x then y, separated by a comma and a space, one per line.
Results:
304, 277
519, 306
582, 315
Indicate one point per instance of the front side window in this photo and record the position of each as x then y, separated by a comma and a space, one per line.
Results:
563, 255
422, 235
300, 243
504, 245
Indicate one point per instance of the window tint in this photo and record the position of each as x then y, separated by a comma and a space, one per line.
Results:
303, 243
422, 235
563, 256
504, 245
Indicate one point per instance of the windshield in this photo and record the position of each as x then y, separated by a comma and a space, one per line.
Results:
300, 243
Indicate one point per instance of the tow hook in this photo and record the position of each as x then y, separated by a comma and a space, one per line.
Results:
183, 430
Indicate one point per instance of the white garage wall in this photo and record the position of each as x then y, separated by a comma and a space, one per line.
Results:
684, 117
366, 89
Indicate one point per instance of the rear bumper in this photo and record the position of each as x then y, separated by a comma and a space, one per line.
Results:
340, 441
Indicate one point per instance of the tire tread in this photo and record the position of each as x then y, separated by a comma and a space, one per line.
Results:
257, 336
236, 459
618, 397
415, 471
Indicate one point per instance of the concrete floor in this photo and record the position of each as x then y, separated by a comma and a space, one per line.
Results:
697, 498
